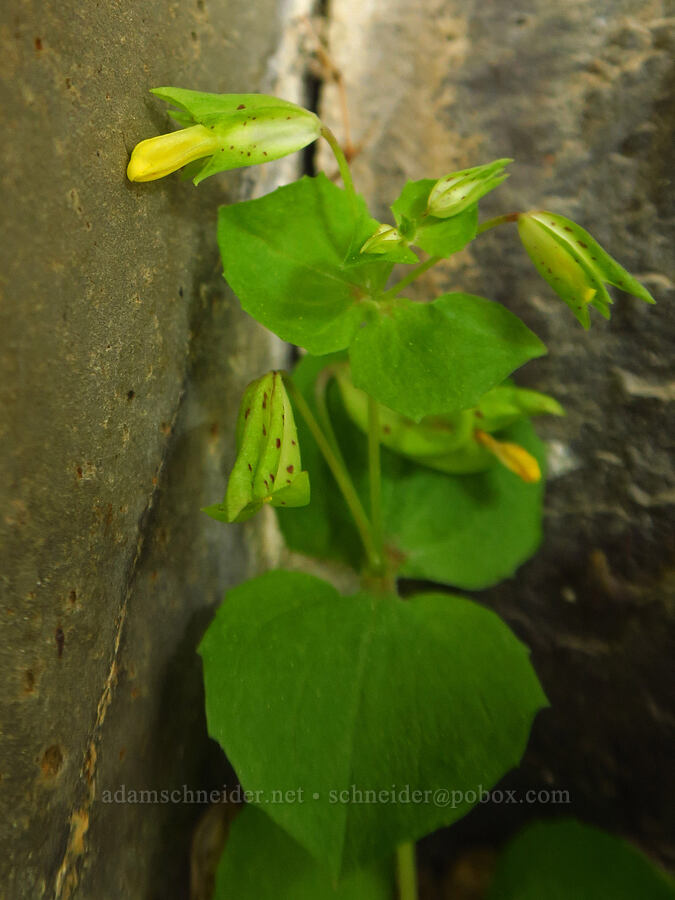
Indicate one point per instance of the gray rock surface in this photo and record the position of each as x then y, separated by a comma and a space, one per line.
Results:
123, 360
580, 94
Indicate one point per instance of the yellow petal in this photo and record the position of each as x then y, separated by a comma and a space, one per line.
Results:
513, 456
161, 155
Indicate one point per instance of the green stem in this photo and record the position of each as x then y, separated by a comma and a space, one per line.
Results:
343, 165
410, 277
320, 395
406, 871
374, 473
340, 474
498, 220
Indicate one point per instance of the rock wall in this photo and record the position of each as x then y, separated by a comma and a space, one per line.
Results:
580, 95
123, 360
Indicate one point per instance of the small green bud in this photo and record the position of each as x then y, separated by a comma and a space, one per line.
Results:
268, 468
454, 193
232, 130
574, 264
388, 242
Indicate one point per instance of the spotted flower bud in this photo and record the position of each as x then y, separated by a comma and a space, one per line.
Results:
454, 193
268, 468
574, 264
227, 130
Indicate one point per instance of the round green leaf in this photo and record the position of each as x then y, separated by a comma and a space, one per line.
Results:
470, 531
261, 862
425, 359
292, 259
570, 861
341, 696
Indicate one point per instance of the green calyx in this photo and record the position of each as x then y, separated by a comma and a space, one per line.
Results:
389, 244
454, 444
227, 131
574, 264
268, 468
455, 192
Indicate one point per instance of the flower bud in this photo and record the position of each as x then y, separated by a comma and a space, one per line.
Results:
458, 444
432, 437
232, 130
574, 264
388, 243
268, 468
383, 239
454, 193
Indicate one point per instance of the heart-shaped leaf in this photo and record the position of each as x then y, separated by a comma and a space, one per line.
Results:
570, 861
424, 359
377, 708
292, 258
261, 862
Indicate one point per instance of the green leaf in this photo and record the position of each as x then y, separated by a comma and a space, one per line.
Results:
261, 862
570, 861
290, 258
467, 531
437, 358
470, 531
437, 236
309, 689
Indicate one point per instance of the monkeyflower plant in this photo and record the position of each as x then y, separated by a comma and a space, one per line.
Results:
400, 446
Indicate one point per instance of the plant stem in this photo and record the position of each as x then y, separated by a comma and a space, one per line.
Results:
343, 165
340, 474
498, 220
406, 871
410, 277
374, 473
320, 396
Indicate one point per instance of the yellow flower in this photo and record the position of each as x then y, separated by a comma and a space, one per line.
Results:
228, 131
164, 154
